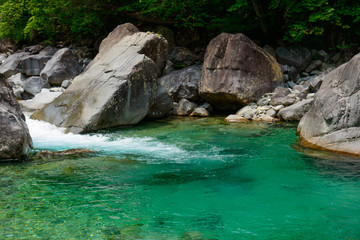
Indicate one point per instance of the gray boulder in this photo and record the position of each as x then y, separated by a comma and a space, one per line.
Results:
200, 112
185, 107
32, 65
162, 104
247, 112
333, 122
236, 72
33, 85
182, 57
314, 66
291, 84
66, 83
302, 89
315, 82
296, 111
17, 80
168, 68
207, 106
34, 49
18, 92
271, 113
236, 119
282, 97
15, 140
293, 74
298, 57
263, 101
63, 65
116, 89
11, 64
183, 83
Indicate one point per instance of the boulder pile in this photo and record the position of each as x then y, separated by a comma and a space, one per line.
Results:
37, 68
303, 73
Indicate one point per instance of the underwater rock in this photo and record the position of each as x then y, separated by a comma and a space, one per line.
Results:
68, 152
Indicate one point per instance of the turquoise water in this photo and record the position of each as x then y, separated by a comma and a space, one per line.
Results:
181, 179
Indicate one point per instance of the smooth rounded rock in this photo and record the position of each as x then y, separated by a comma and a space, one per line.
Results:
236, 118
296, 111
185, 107
10, 66
32, 65
298, 57
236, 72
200, 112
62, 66
33, 85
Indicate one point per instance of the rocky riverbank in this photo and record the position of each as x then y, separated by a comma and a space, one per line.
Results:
135, 76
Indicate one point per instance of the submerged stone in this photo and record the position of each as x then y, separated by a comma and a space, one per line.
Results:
69, 152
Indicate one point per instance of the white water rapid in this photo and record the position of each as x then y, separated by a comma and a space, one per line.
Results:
50, 137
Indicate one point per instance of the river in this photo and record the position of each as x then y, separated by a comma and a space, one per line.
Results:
181, 178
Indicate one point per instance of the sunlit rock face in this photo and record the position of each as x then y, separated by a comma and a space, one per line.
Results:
333, 122
117, 88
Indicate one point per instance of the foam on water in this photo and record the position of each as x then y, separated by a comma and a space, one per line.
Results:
48, 136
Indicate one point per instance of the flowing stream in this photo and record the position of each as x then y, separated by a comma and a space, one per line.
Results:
180, 178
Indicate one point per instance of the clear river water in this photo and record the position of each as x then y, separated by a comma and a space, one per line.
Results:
181, 178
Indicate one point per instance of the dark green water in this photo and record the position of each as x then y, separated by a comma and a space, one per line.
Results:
181, 179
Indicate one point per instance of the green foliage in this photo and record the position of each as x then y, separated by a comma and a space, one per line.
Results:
293, 21
13, 19
317, 17
51, 19
182, 13
306, 18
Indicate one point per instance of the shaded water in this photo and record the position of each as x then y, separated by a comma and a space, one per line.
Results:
180, 179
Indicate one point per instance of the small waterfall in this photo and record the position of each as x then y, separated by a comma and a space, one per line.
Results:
50, 137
